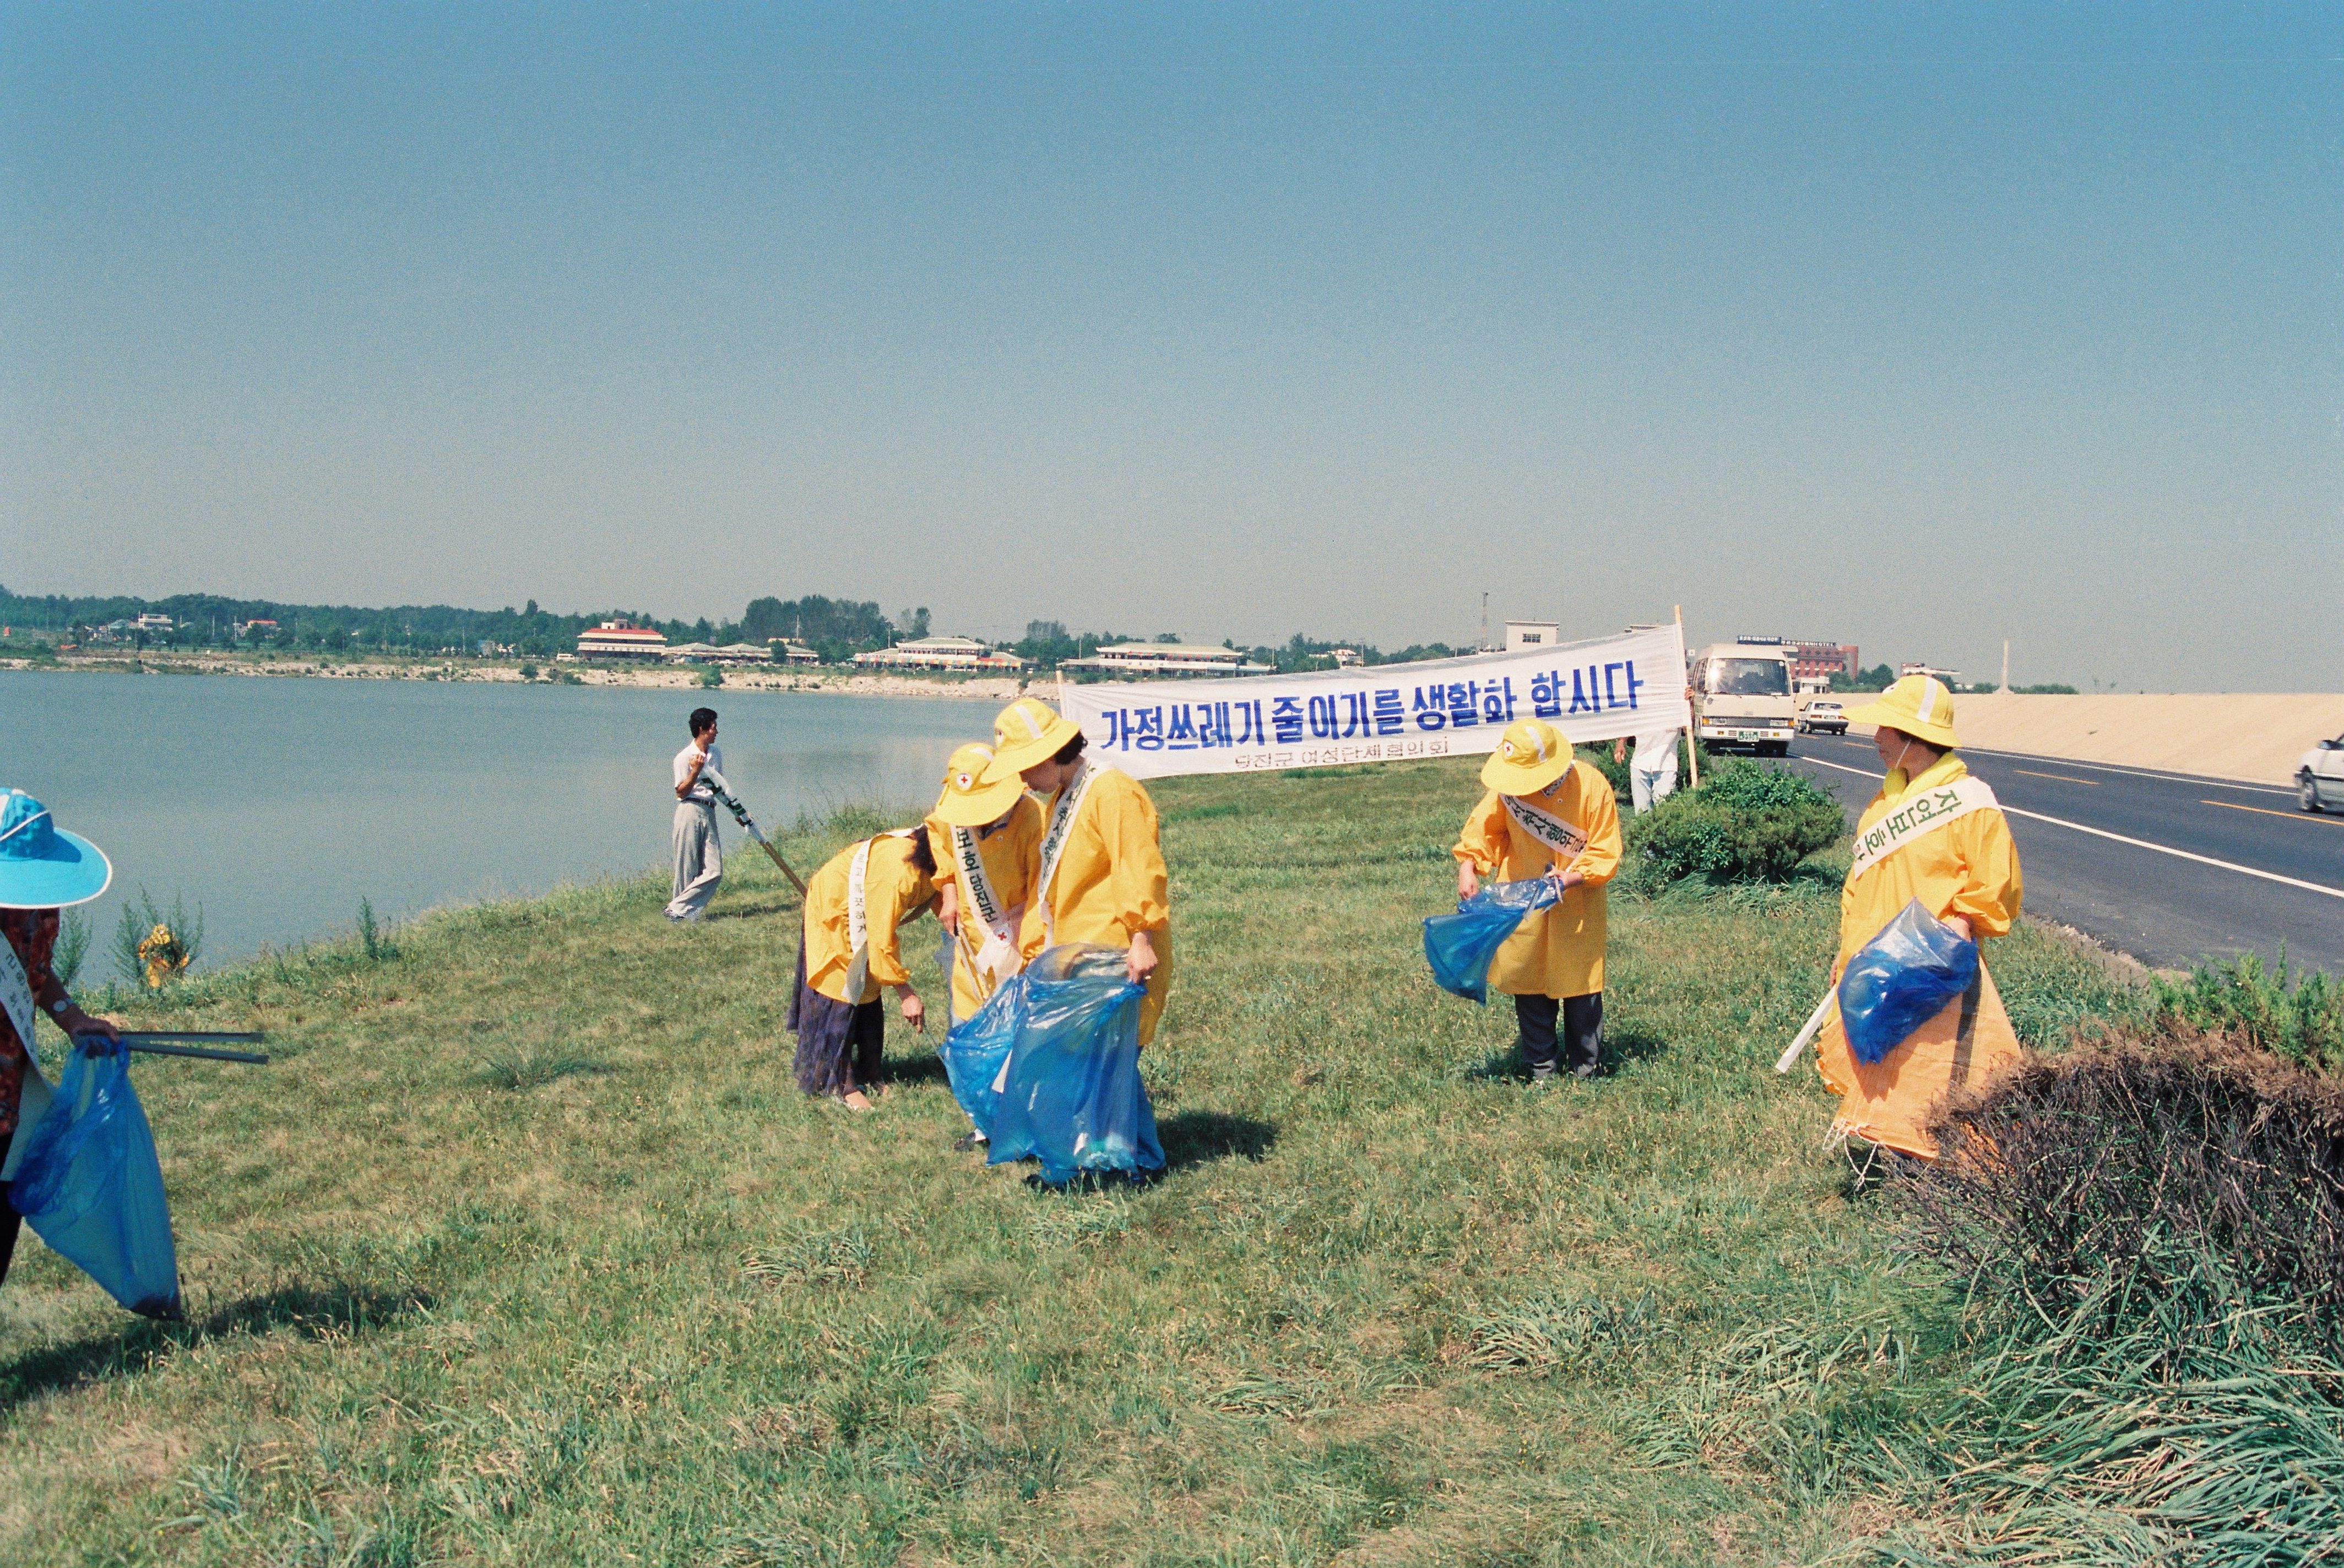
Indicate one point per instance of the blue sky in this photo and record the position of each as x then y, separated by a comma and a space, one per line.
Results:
1917, 327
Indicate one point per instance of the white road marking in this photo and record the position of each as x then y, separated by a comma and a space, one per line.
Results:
2120, 838
2111, 768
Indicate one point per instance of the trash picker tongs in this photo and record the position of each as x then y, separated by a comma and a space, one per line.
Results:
756, 836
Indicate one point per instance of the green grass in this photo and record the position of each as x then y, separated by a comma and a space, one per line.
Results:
527, 1250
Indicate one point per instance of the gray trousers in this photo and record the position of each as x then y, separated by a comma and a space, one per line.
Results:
698, 859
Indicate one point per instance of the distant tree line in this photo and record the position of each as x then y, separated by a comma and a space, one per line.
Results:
837, 629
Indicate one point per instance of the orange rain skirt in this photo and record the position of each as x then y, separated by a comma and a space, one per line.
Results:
1890, 1101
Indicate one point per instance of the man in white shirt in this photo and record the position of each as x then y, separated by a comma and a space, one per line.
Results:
1653, 770
699, 853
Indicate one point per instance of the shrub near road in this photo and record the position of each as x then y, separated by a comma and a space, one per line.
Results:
526, 1251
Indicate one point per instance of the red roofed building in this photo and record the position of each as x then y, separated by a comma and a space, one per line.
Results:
617, 639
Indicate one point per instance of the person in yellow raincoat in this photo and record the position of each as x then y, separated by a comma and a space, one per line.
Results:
849, 954
1547, 814
987, 839
1934, 833
1098, 873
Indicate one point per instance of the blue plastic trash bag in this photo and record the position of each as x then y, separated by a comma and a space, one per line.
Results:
1049, 1066
89, 1186
1901, 979
1460, 947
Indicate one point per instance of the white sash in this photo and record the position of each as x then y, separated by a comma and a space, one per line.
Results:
17, 1000
1054, 841
996, 956
1563, 839
858, 923
1922, 813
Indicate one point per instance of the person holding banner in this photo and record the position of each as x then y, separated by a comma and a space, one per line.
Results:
1098, 873
1934, 834
43, 870
1547, 814
848, 953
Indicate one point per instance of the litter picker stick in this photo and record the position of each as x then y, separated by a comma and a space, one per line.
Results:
1693, 736
1790, 1059
157, 1043
748, 825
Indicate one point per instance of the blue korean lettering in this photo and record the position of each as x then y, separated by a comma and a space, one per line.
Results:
1546, 694
1497, 700
1584, 698
1253, 733
1464, 703
1431, 712
1634, 684
1391, 718
1181, 736
1322, 718
1285, 718
1144, 726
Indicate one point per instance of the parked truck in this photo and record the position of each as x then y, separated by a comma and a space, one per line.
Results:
1741, 696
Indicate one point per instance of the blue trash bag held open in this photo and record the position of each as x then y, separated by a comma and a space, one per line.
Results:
1460, 947
90, 1186
975, 1048
1049, 1066
1901, 979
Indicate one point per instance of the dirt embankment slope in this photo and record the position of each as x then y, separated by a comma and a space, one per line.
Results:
2255, 735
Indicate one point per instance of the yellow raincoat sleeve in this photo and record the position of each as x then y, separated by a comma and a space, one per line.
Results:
1599, 814
1991, 888
893, 889
1127, 827
1486, 834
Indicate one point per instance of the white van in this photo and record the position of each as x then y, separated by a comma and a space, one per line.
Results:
1741, 696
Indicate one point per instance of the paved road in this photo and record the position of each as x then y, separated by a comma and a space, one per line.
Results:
2212, 868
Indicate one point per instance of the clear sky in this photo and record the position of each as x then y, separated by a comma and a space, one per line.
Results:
1917, 326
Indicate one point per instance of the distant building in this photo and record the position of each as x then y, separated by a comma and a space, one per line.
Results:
1532, 634
1824, 661
259, 626
151, 623
730, 654
1347, 658
1164, 659
939, 654
798, 653
1950, 677
617, 639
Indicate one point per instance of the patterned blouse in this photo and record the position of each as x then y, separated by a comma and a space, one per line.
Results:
33, 933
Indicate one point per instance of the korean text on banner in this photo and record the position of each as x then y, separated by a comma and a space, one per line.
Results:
1633, 683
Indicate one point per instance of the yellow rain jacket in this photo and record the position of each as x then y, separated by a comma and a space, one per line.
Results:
893, 889
1559, 951
1969, 867
1011, 850
1110, 883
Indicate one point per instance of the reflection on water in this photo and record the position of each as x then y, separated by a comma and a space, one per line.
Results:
277, 804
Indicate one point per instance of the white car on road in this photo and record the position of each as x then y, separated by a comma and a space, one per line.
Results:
2320, 776
1822, 717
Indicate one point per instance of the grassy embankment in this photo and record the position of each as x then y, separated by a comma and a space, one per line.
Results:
526, 1251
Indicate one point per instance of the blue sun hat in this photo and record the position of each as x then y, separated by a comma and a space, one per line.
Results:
43, 867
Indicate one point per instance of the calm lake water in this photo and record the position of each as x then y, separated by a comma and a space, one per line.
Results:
277, 804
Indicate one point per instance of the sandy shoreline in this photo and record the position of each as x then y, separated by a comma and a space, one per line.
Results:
655, 677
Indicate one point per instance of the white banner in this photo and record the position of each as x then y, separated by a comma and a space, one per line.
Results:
1593, 690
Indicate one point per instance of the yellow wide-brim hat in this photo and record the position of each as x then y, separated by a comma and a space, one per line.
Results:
968, 799
1027, 731
1530, 756
1919, 705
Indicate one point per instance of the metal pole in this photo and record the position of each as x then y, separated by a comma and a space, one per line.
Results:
1692, 733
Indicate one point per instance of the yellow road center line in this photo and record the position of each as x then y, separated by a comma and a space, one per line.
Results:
2063, 778
2265, 811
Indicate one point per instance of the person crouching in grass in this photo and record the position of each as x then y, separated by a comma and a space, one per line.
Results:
1098, 873
987, 839
1547, 814
848, 954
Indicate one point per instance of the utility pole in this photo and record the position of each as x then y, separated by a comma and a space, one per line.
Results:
1485, 623
2006, 666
